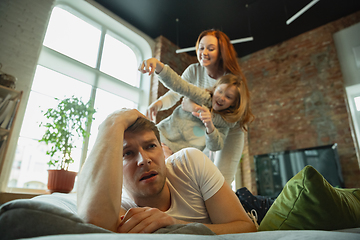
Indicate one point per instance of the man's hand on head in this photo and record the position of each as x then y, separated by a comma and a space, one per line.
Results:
126, 117
145, 220
100, 185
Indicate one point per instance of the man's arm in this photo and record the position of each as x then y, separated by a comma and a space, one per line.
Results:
227, 213
100, 180
224, 208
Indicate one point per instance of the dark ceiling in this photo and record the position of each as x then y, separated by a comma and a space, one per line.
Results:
181, 21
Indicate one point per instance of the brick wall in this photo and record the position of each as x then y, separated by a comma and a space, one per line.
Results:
298, 97
165, 52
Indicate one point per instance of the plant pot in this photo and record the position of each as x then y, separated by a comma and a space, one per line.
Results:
61, 181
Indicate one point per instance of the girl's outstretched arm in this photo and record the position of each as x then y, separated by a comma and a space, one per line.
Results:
150, 66
188, 105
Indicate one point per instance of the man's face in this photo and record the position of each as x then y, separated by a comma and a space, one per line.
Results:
144, 167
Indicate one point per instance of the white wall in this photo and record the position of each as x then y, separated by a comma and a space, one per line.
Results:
347, 42
22, 28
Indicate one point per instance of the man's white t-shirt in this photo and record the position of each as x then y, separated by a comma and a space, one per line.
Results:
192, 179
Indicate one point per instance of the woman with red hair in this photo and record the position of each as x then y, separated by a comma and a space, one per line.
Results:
216, 58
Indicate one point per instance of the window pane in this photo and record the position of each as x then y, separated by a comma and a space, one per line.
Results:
119, 61
57, 85
29, 166
73, 37
357, 103
34, 115
105, 104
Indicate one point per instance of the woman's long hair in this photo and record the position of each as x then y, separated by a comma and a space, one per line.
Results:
229, 64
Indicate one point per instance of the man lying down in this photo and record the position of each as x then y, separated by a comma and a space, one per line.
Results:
185, 188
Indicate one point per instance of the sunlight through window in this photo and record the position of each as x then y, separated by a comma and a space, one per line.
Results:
357, 103
30, 157
80, 74
119, 61
73, 37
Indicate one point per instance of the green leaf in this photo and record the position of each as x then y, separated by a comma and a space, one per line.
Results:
67, 122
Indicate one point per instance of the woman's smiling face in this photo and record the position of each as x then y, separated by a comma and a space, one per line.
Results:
223, 97
208, 51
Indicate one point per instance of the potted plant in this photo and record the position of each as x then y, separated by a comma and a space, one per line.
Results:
67, 123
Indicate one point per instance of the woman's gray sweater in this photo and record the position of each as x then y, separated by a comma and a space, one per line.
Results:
181, 129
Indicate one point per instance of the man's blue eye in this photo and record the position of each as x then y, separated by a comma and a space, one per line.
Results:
127, 153
152, 145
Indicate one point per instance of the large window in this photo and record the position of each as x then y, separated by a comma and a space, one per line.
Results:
84, 58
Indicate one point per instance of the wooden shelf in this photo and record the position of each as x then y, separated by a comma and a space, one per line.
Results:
5, 134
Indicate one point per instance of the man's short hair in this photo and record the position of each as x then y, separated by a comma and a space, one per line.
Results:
143, 124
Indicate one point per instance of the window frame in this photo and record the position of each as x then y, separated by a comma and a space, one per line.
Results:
95, 14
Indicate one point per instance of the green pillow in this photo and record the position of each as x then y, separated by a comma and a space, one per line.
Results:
309, 202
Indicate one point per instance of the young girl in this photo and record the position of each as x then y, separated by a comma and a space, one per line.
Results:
222, 107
